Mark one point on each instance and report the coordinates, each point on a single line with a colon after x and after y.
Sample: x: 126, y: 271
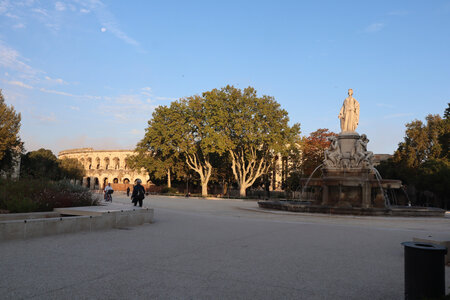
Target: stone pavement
x: 224, y: 249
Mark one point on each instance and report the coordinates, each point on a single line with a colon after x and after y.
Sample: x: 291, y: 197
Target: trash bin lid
x: 424, y: 246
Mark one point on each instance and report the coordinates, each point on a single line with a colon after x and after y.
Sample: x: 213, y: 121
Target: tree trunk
x: 204, y: 189
x: 169, y: 181
x: 224, y: 187
x: 242, y: 190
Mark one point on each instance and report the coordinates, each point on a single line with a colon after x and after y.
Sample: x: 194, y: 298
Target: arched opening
x: 88, y: 182
x: 135, y: 181
x: 83, y: 163
x: 149, y: 182
x: 96, y: 183
x: 116, y: 161
x: 126, y: 180
x: 97, y: 160
x: 115, y: 180
x: 89, y: 163
x: 106, y: 160
x: 105, y: 182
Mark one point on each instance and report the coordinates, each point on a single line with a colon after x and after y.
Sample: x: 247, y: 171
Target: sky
x: 89, y: 73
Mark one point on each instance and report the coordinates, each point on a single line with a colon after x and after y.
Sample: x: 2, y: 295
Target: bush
x: 41, y: 195
x: 169, y: 190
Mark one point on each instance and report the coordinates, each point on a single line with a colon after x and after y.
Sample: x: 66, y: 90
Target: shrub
x: 169, y: 190
x: 42, y: 195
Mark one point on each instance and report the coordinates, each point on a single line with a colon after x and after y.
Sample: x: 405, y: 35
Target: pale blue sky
x: 88, y: 73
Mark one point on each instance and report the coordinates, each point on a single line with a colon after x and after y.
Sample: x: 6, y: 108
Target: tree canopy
x: 253, y: 130
x: 201, y: 129
x: 422, y: 159
x: 313, y: 147
x: 43, y: 163
x: 10, y: 143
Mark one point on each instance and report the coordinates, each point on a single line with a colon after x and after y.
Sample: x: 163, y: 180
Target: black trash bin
x: 424, y: 270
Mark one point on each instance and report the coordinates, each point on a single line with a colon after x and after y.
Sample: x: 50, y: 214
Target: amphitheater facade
x: 106, y: 166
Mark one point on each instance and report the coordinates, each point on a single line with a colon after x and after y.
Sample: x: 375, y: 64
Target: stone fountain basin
x: 405, y: 211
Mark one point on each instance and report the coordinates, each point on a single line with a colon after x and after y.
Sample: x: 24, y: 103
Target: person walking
x: 128, y: 191
x: 138, y: 193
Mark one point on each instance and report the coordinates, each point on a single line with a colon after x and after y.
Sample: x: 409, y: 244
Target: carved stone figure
x: 349, y: 114
x: 333, y: 154
x: 358, y: 157
x: 368, y: 155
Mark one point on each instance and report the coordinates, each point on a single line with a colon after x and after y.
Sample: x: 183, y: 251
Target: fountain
x: 350, y: 184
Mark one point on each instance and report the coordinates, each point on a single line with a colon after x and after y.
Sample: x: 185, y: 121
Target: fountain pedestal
x: 348, y: 172
x: 347, y: 188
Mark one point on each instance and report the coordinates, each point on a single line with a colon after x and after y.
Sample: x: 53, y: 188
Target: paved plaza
x: 218, y: 249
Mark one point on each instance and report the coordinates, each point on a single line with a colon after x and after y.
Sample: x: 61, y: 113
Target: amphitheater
x: 106, y: 166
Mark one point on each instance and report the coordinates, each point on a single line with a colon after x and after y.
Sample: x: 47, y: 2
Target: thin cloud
x: 44, y: 90
x: 11, y: 59
x: 75, y: 108
x: 108, y: 21
x: 55, y: 80
x: 21, y: 84
x: 399, y: 115
x: 41, y: 11
x: 56, y: 92
x: 374, y: 27
x: 19, y: 26
x: 165, y: 98
x: 59, y: 6
x: 136, y: 132
x: 46, y: 119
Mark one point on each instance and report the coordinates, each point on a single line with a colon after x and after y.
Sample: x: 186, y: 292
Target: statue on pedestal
x: 349, y: 114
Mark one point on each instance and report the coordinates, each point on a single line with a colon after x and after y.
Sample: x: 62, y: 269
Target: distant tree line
x: 43, y: 164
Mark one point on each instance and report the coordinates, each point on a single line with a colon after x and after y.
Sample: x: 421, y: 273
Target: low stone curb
x: 26, y: 228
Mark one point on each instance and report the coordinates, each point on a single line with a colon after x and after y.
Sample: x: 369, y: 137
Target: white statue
x: 349, y: 114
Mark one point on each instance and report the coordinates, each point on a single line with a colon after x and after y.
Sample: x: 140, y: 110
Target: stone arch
x: 135, y: 181
x: 116, y: 180
x: 88, y: 182
x: 126, y: 180
x: 116, y: 163
x: 82, y: 162
x: 96, y: 183
x: 105, y: 181
x: 97, y: 163
x: 89, y: 163
x: 106, y: 161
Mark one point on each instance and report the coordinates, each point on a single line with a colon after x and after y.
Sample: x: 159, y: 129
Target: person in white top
x: 108, y: 191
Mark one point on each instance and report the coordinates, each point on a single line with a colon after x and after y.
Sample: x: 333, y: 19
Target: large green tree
x: 156, y: 151
x: 10, y: 143
x: 183, y: 130
x: 422, y: 159
x: 253, y: 130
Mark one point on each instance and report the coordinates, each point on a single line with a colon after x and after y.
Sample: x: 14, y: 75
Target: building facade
x: 106, y: 166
